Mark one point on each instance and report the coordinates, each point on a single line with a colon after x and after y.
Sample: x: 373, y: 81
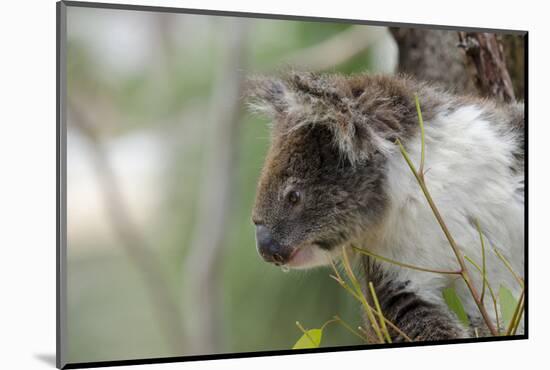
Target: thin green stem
x: 431, y: 203
x: 328, y: 322
x: 406, y: 265
x: 516, y: 317
x: 305, y: 333
x: 483, y: 264
x: 399, y: 331
x: 509, y: 267
x: 491, y: 291
x: 422, y: 136
x: 363, y: 331
x: 350, y: 329
x: 356, y: 293
x: 362, y: 298
x: 346, y: 287
x: 464, y: 271
x: 379, y: 310
x: 518, y: 320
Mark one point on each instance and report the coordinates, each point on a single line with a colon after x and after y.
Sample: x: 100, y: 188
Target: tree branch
x: 337, y: 49
x: 202, y: 267
x: 165, y: 307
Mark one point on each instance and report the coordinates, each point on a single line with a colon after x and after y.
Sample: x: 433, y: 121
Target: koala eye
x: 293, y: 197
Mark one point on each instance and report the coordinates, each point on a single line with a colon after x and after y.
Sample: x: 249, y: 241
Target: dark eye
x: 293, y: 197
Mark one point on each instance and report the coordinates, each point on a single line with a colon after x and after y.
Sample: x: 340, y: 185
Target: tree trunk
x: 486, y: 54
x: 514, y: 51
x: 484, y: 64
x: 433, y: 55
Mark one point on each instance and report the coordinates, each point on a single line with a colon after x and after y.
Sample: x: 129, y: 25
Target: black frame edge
x: 287, y: 17
x: 225, y: 356
x: 526, y: 179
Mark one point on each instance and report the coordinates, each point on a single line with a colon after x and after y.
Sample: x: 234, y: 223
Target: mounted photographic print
x: 235, y: 184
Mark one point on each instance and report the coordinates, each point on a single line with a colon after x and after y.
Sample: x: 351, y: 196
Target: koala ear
x: 353, y: 139
x: 358, y: 140
x: 269, y: 96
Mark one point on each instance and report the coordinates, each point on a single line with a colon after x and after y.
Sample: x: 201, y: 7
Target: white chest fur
x: 468, y: 161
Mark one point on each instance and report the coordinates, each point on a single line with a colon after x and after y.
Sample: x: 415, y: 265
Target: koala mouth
x: 314, y: 254
x: 301, y: 256
x: 310, y: 253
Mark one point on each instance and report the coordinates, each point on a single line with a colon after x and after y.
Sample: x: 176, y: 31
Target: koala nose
x: 269, y: 248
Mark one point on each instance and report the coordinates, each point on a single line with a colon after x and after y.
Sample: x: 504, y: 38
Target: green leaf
x: 310, y: 339
x: 454, y: 303
x: 508, y: 305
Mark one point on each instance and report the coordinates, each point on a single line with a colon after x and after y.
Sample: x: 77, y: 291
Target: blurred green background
x: 162, y: 166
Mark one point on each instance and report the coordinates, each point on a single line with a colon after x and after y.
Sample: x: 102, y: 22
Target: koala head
x: 322, y: 184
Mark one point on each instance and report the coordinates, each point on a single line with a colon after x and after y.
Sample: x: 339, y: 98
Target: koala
x: 334, y: 177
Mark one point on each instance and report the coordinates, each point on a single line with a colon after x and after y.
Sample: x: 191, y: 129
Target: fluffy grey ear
x: 318, y: 100
x: 354, y: 140
x: 269, y: 96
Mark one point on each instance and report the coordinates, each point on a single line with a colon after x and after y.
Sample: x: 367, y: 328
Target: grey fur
x: 330, y: 141
x: 418, y: 319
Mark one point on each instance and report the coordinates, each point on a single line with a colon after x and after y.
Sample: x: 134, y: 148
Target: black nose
x: 269, y: 248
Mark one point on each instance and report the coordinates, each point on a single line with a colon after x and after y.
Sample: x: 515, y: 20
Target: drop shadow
x: 47, y: 358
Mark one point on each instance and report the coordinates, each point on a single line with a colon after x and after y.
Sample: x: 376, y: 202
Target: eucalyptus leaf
x: 454, y: 303
x: 508, y: 305
x: 310, y: 339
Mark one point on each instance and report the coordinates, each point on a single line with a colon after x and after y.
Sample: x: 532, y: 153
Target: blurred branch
x: 165, y: 40
x: 202, y: 268
x: 485, y: 52
x: 166, y: 308
x: 337, y: 49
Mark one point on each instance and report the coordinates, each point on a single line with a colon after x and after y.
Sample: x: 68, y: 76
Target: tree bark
x: 485, y: 52
x: 514, y: 50
x: 484, y: 64
x: 433, y: 55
